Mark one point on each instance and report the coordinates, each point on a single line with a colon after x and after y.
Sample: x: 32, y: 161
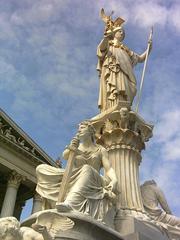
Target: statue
x: 87, y: 192
x: 76, y: 197
x: 10, y: 230
x: 42, y: 229
x: 8, y: 134
x: 152, y: 197
x: 1, y: 126
x: 115, y: 65
x: 22, y: 144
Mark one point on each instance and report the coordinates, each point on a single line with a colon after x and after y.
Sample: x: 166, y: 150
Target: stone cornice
x: 18, y: 149
x: 12, y: 135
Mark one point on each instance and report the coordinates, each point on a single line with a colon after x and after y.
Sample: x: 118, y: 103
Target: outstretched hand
x: 110, y: 33
x: 39, y: 228
x: 150, y: 45
x: 42, y: 230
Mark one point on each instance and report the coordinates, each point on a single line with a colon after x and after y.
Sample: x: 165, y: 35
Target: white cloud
x: 171, y: 150
x: 168, y: 126
x: 10, y: 79
x: 150, y: 13
x: 119, y: 8
x: 145, y: 13
x: 167, y: 135
x: 174, y: 16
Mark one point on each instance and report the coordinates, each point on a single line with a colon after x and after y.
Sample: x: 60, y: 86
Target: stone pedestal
x: 85, y: 227
x: 11, y: 193
x: 134, y: 229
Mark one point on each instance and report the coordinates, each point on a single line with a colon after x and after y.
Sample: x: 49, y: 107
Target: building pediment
x: 12, y: 135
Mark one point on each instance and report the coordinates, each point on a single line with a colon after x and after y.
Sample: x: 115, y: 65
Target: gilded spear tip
x: 150, y: 35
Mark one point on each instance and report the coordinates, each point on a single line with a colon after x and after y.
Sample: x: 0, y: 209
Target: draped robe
x: 87, y: 191
x: 117, y: 80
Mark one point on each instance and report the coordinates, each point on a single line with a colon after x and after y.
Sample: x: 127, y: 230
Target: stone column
x: 37, y: 203
x: 123, y: 133
x: 11, y: 193
x: 124, y: 146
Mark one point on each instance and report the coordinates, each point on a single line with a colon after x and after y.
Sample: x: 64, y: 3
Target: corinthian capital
x: 15, y: 179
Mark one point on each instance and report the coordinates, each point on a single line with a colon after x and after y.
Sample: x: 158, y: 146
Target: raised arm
x: 104, y: 44
x: 73, y: 145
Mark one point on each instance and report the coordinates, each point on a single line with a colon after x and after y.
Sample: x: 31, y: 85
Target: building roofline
x: 27, y: 137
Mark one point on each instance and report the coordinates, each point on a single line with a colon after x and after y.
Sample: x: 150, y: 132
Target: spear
x: 144, y: 69
x: 68, y: 172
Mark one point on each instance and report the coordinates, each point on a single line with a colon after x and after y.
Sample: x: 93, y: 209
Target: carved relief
x: 47, y: 226
x: 124, y: 118
x: 12, y: 135
x: 127, y: 120
x: 2, y: 126
x: 8, y: 134
x: 22, y: 143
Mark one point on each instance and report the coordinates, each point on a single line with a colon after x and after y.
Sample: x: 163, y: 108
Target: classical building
x: 19, y: 157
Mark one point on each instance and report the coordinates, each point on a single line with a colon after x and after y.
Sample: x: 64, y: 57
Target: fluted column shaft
x: 11, y: 193
x: 123, y: 133
x: 126, y: 161
x: 124, y: 148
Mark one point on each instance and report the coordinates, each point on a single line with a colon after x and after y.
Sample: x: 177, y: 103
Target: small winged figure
x: 111, y: 25
x: 50, y: 224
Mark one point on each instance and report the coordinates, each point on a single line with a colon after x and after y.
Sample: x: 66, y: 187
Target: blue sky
x: 49, y: 83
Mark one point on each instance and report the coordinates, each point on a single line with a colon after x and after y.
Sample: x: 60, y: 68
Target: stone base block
x: 133, y: 229
x: 137, y: 236
x: 86, y: 228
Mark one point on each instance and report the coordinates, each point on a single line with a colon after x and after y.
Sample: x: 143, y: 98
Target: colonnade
x: 9, y: 203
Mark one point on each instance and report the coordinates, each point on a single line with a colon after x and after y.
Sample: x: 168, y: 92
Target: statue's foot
x: 63, y: 207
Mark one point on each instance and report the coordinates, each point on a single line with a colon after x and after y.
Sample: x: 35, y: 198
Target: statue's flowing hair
x: 9, y: 226
x: 90, y: 128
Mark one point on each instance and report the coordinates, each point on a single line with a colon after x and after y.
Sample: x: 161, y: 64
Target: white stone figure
x: 38, y: 233
x: 156, y: 205
x: 51, y: 223
x: 10, y: 230
x: 115, y: 65
x: 8, y: 134
x: 88, y: 192
x: 22, y: 143
x: 124, y: 116
x: 1, y: 126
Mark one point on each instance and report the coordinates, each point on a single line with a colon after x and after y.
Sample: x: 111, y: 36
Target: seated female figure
x: 88, y: 192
